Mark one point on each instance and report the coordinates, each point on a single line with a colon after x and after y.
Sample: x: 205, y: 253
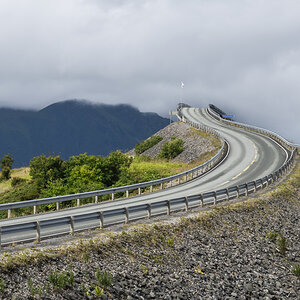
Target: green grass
x: 214, y: 140
x: 21, y: 173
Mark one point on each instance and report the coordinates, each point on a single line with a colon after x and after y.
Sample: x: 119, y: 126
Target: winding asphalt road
x: 251, y: 156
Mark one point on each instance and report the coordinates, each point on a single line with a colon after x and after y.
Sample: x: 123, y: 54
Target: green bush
x: 147, y: 144
x: 171, y: 149
x: 45, y: 169
x: 17, y: 181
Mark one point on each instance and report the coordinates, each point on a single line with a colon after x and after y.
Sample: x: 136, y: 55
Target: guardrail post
x: 101, y: 219
x: 38, y: 231
x: 246, y: 192
x: 161, y: 186
x: 139, y: 190
x: 272, y: 178
x: 127, y: 193
x: 71, y: 225
x: 186, y: 204
x: 57, y: 205
x: 0, y: 237
x: 168, y: 207
x: 34, y: 209
x: 185, y: 177
x: 112, y: 196
x: 96, y: 199
x: 78, y: 202
x: 171, y: 183
x: 238, y: 191
x: 126, y: 215
x: 149, y: 210
x: 215, y: 197
x: 201, y: 200
x: 227, y: 194
x: 151, y: 188
x: 255, y: 186
x: 9, y: 213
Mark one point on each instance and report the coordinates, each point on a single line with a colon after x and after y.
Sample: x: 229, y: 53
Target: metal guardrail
x: 180, y: 178
x: 267, y: 132
x: 37, y: 230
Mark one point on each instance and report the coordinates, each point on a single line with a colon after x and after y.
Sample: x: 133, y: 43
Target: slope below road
x: 231, y: 252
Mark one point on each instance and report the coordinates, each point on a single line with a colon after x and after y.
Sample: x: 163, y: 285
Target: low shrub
x: 171, y: 149
x: 17, y: 181
x: 147, y: 144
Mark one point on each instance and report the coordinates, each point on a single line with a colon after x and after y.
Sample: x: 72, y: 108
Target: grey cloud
x: 241, y: 55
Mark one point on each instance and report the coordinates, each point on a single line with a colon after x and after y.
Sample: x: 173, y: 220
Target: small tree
x: 6, y: 163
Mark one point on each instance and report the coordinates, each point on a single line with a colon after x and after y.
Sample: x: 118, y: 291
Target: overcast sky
x: 242, y: 55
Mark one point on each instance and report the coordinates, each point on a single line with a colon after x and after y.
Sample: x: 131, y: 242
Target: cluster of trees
x: 55, y: 176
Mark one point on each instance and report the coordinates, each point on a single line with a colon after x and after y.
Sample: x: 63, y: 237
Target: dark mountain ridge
x: 73, y: 127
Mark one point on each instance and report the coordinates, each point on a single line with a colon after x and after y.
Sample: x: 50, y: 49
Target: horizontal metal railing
x: 180, y: 178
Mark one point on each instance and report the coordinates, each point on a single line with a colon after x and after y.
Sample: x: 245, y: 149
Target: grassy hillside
x: 20, y: 173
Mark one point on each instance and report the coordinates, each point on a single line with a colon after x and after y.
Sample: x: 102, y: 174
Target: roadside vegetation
x: 53, y: 176
x: 147, y: 144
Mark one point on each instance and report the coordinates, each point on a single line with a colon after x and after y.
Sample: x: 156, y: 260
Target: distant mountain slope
x: 73, y: 127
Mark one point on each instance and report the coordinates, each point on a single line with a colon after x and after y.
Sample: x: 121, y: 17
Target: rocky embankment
x: 196, y: 143
x: 247, y: 250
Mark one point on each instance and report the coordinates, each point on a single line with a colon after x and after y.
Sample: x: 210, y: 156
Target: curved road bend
x: 251, y: 156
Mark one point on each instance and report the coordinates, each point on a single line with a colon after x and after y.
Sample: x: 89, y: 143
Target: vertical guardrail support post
x: 127, y: 193
x: 185, y: 177
x: 9, y: 213
x: 255, y: 186
x: 161, y: 186
x: 0, y: 237
x: 139, y: 190
x: 96, y: 199
x: 34, y: 209
x: 38, y: 231
x: 126, y: 215
x: 57, y: 205
x: 246, y: 192
x: 101, y: 219
x: 149, y: 210
x: 215, y: 197
x: 238, y: 191
x: 186, y: 203
x: 201, y: 200
x: 227, y: 194
x: 171, y: 183
x: 78, y: 202
x: 112, y: 196
x: 168, y: 207
x: 71, y: 225
x: 151, y: 188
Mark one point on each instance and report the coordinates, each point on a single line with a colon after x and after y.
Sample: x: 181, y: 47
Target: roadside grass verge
x: 20, y: 173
